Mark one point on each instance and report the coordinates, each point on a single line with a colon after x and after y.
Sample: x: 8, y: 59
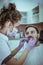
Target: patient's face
x: 31, y: 32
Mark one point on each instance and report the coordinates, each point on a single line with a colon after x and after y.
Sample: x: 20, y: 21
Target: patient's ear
x: 38, y: 41
x: 0, y: 27
x: 38, y: 35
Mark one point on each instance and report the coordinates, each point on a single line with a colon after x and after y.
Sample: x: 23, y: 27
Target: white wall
x: 41, y: 12
x: 4, y: 2
x: 26, y: 6
x: 30, y: 19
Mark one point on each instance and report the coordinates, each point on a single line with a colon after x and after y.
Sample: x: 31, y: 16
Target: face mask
x: 13, y: 33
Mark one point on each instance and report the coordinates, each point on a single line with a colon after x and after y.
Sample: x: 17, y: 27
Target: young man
x: 7, y: 21
x: 35, y: 57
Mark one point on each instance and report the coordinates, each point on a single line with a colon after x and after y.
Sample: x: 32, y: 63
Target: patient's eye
x: 32, y: 32
x: 27, y: 33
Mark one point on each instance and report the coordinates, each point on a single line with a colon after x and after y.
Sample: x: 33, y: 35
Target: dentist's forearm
x: 14, y: 52
x: 23, y: 57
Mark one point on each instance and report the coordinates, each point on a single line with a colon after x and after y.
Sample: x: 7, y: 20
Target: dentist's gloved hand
x: 21, y: 44
x: 31, y: 43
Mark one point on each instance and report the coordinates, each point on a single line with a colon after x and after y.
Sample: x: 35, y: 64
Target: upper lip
x: 30, y: 37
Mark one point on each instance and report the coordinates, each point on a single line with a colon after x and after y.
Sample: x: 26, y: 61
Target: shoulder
x: 4, y: 50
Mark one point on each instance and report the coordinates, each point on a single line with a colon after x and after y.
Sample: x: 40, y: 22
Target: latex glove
x: 31, y: 43
x: 13, y: 33
x: 21, y: 44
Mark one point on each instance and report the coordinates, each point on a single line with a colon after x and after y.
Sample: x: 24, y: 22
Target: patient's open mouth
x: 29, y: 38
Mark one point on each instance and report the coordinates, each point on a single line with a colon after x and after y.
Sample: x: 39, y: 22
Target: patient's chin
x: 37, y: 44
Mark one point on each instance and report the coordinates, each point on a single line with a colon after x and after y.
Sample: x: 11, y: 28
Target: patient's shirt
x: 35, y: 56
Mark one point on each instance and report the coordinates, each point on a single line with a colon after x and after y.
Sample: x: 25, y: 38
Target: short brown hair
x: 33, y: 27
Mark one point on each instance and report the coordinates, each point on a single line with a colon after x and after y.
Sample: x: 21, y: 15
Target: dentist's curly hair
x: 9, y: 13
